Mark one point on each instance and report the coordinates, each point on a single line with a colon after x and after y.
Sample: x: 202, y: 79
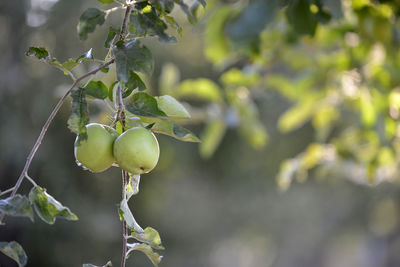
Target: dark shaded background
x: 223, y: 212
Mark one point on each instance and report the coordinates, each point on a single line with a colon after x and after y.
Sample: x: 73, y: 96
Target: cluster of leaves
x: 45, y: 206
x: 160, y: 114
x: 336, y: 61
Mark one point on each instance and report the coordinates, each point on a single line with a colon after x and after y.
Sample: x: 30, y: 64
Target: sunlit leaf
x: 286, y: 173
x: 254, y: 132
x: 132, y: 187
x: 16, y: 206
x: 150, y: 236
x: 145, y: 105
x: 174, y: 130
x: 296, y: 116
x: 147, y: 250
x: 70, y: 64
x: 89, y: 20
x: 312, y: 156
x: 48, y: 208
x: 169, y: 78
x: 368, y: 113
x: 203, y: 89
x: 172, y: 107
x: 239, y: 78
x: 86, y: 56
x: 218, y: 48
x: 15, y: 252
x: 126, y: 215
x: 132, y: 56
x: 212, y: 137
x: 106, y: 2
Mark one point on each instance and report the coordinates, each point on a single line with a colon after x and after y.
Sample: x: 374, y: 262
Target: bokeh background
x: 225, y: 211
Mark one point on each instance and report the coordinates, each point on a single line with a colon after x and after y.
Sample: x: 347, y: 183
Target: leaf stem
x: 39, y: 140
x: 30, y: 180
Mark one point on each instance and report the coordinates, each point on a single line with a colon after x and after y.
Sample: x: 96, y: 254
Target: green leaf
x: 16, y: 206
x: 49, y: 208
x: 252, y: 20
x: 172, y: 107
x: 287, y: 172
x: 126, y: 215
x: 132, y: 56
x: 147, y: 250
x: 150, y: 236
x: 169, y: 78
x: 202, y: 2
x: 112, y: 32
x: 185, y: 8
x: 174, y: 130
x: 15, y: 252
x: 298, y: 115
x: 108, y: 264
x: 38, y: 52
x: 145, y: 105
x: 217, y: 46
x: 300, y: 17
x: 97, y: 89
x: 212, y: 137
x: 85, y: 57
x: 132, y: 188
x: 163, y: 6
x: 236, y: 77
x: 149, y: 24
x: 254, y: 132
x: 79, y: 116
x: 70, y: 64
x: 111, y: 90
x: 106, y: 2
x: 134, y: 82
x: 203, y: 89
x: 89, y: 20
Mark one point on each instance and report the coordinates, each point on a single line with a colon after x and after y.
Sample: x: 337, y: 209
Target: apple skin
x: 96, y: 152
x: 137, y: 150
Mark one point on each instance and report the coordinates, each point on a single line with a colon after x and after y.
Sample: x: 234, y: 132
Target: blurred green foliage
x: 316, y: 96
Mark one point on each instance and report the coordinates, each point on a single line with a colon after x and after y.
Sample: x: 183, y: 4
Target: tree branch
x: 124, y: 23
x: 121, y: 119
x: 124, y: 228
x: 39, y: 140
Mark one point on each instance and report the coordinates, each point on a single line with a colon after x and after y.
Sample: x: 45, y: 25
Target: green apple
x: 137, y: 150
x: 96, y: 152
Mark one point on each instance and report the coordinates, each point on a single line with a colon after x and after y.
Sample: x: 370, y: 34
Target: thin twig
x: 124, y: 23
x: 124, y: 228
x: 121, y: 118
x: 2, y: 193
x: 46, y: 126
